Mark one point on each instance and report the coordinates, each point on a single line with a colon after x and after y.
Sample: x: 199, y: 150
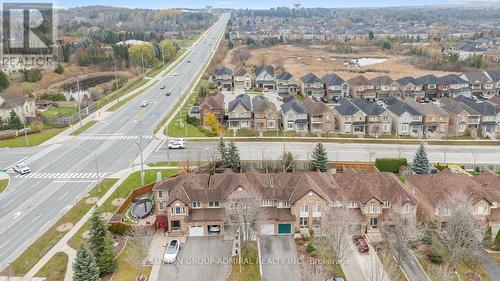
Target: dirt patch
x: 118, y: 201
x: 64, y: 227
x: 322, y: 59
x: 106, y: 216
x: 91, y: 200
x: 86, y: 234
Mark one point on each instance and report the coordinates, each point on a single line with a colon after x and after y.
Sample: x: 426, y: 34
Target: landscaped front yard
x: 249, y: 269
x: 127, y: 271
x: 59, y: 112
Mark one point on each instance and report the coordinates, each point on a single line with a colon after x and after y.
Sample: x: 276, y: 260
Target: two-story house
x: 239, y: 113
x: 285, y: 83
x: 360, y: 87
x: 378, y: 118
x: 264, y: 77
x: 464, y: 121
x: 223, y: 78
x: 22, y: 105
x: 311, y: 85
x: 321, y: 117
x: 495, y: 77
x: 335, y: 87
x: 350, y: 119
x: 265, y: 114
x: 429, y: 85
x: 480, y: 82
x: 406, y: 121
x: 490, y: 116
x: 386, y: 87
x: 294, y: 116
x: 435, y: 119
x: 410, y: 88
x: 242, y: 79
x: 214, y: 104
x: 453, y: 85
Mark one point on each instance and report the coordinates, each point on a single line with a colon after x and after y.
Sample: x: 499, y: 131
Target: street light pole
x: 79, y: 101
x: 139, y: 143
x: 25, y: 132
x: 96, y: 166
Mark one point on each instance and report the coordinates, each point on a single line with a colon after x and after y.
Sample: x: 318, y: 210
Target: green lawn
x: 127, y: 271
x: 249, y: 268
x: 461, y: 268
x: 34, y: 139
x: 3, y: 184
x: 59, y: 112
x: 45, y: 242
x: 164, y: 164
x: 83, y: 128
x: 126, y: 187
x: 55, y: 268
x: 179, y: 128
x: 129, y: 98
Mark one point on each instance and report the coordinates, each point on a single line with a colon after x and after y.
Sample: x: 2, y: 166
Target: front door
x: 374, y: 222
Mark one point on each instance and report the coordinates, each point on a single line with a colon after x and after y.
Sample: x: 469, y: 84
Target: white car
x: 144, y: 103
x: 175, y: 74
x: 21, y: 168
x: 177, y: 144
x: 171, y: 251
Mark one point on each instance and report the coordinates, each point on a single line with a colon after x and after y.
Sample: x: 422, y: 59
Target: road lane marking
x: 60, y: 175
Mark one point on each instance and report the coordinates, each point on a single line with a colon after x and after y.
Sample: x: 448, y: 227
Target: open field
x: 321, y: 59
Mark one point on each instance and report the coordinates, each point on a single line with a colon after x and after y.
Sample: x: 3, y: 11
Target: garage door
x: 284, y: 228
x: 267, y: 229
x: 196, y: 231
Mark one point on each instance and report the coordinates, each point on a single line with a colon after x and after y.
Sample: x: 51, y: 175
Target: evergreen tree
x: 4, y: 80
x: 497, y: 241
x: 84, y: 266
x: 222, y: 152
x: 59, y: 69
x: 371, y: 36
x: 319, y: 158
x: 100, y: 244
x: 420, y: 163
x: 233, y: 156
x: 14, y: 121
x: 487, y: 238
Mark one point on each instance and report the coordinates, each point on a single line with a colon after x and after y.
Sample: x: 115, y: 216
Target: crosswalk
x: 61, y: 176
x: 112, y: 137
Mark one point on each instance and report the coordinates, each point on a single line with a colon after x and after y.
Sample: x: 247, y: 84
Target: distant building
x: 23, y: 106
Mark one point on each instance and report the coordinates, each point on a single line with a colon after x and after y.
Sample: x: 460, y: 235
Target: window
x: 283, y: 204
x: 317, y: 221
x: 270, y: 123
x: 176, y: 225
x: 372, y: 208
x: 317, y: 207
x: 160, y: 194
x: 161, y: 206
x: 290, y: 125
x: 304, y: 208
x: 386, y: 204
x: 405, y: 208
x: 196, y: 205
x: 179, y: 210
x: 352, y: 204
x: 213, y: 204
x: 337, y: 203
x: 303, y: 222
x: 267, y: 203
x: 347, y: 127
x: 404, y: 128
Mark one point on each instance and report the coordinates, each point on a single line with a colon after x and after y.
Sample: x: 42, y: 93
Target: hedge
x: 390, y: 164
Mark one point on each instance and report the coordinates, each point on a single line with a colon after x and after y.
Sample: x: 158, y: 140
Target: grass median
x: 33, y: 139
x: 3, y: 184
x: 55, y: 268
x: 44, y: 243
x: 83, y: 128
x: 129, y: 98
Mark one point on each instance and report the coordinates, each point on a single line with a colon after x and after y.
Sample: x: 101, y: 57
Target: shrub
x: 53, y: 97
x: 390, y: 164
x: 59, y: 69
x: 497, y: 241
x: 4, y: 80
x: 208, y: 133
x: 32, y: 75
x: 435, y: 258
x: 36, y: 126
x: 192, y: 121
x: 310, y: 249
x: 487, y: 238
x: 118, y: 228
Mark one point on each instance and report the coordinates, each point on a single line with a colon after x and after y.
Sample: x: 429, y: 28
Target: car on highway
x: 177, y: 144
x: 188, y: 61
x: 171, y: 251
x: 168, y: 94
x: 335, y: 279
x: 144, y: 103
x: 175, y: 74
x: 162, y: 87
x: 21, y: 168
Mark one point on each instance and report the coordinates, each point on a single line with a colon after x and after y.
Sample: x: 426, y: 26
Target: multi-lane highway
x: 64, y: 172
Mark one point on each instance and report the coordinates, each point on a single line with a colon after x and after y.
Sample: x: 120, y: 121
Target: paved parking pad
x: 200, y: 258
x: 279, y: 259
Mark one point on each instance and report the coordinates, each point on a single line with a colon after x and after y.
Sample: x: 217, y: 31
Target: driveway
x: 200, y: 258
x: 278, y: 256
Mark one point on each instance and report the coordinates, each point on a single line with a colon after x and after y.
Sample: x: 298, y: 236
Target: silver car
x: 21, y: 168
x: 171, y: 252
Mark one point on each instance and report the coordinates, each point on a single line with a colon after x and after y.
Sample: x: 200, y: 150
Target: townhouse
x: 360, y: 87
x: 311, y: 85
x: 214, y: 104
x: 321, y: 117
x: 294, y: 116
x: 435, y: 119
x: 239, y: 113
x: 264, y: 77
x: 200, y: 204
x: 429, y: 85
x: 490, y: 116
x: 410, y: 88
x: 464, y: 121
x: 378, y: 118
x: 335, y: 87
x: 386, y: 87
x: 350, y: 119
x: 223, y: 78
x: 480, y: 83
x: 285, y: 83
x: 242, y: 79
x: 406, y: 120
x: 265, y: 114
x: 452, y: 85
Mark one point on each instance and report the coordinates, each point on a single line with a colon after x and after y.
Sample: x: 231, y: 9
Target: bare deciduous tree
x: 139, y: 239
x: 311, y: 271
x: 383, y: 268
x: 241, y: 55
x: 441, y: 273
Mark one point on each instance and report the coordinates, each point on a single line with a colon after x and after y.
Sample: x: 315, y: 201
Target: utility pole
x: 163, y: 54
x: 25, y: 132
x: 142, y: 61
x: 139, y: 143
x: 79, y: 101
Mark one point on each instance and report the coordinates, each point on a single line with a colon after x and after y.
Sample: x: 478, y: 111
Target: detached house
x: 350, y: 119
x: 406, y: 120
x: 213, y: 104
x: 429, y: 85
x: 452, y: 85
x: 410, y: 88
x: 321, y: 117
x: 239, y: 113
x: 223, y: 78
x: 386, y: 87
x: 311, y: 85
x: 285, y: 83
x: 242, y: 79
x: 463, y: 119
x: 490, y: 116
x: 294, y: 116
x: 378, y: 119
x: 360, y: 87
x: 495, y: 77
x: 264, y: 77
x: 335, y: 87
x: 435, y: 119
x: 23, y: 106
x: 480, y: 82
x: 265, y: 114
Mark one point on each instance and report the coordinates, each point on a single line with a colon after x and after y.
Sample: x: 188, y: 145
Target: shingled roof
x: 369, y: 108
x: 398, y: 107
x: 382, y: 80
x: 483, y: 107
x: 11, y: 100
x: 345, y: 107
x: 223, y: 71
x: 261, y: 104
x: 294, y: 105
x: 268, y: 68
x: 314, y: 107
x: 332, y: 79
x: 243, y: 100
x: 285, y: 75
x: 214, y: 101
x: 456, y: 107
x: 310, y: 78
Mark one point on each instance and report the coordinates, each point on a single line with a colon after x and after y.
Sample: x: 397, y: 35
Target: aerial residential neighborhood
x: 241, y: 141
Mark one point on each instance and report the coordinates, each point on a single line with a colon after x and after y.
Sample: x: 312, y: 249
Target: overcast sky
x: 253, y: 4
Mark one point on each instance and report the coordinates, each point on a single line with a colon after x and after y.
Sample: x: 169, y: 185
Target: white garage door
x: 267, y: 229
x: 196, y: 231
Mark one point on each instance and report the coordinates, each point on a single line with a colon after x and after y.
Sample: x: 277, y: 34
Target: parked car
x: 144, y: 103
x: 318, y: 99
x: 335, y: 279
x: 177, y: 144
x: 171, y: 251
x: 21, y: 168
x: 361, y: 243
x: 168, y: 94
x: 162, y: 87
